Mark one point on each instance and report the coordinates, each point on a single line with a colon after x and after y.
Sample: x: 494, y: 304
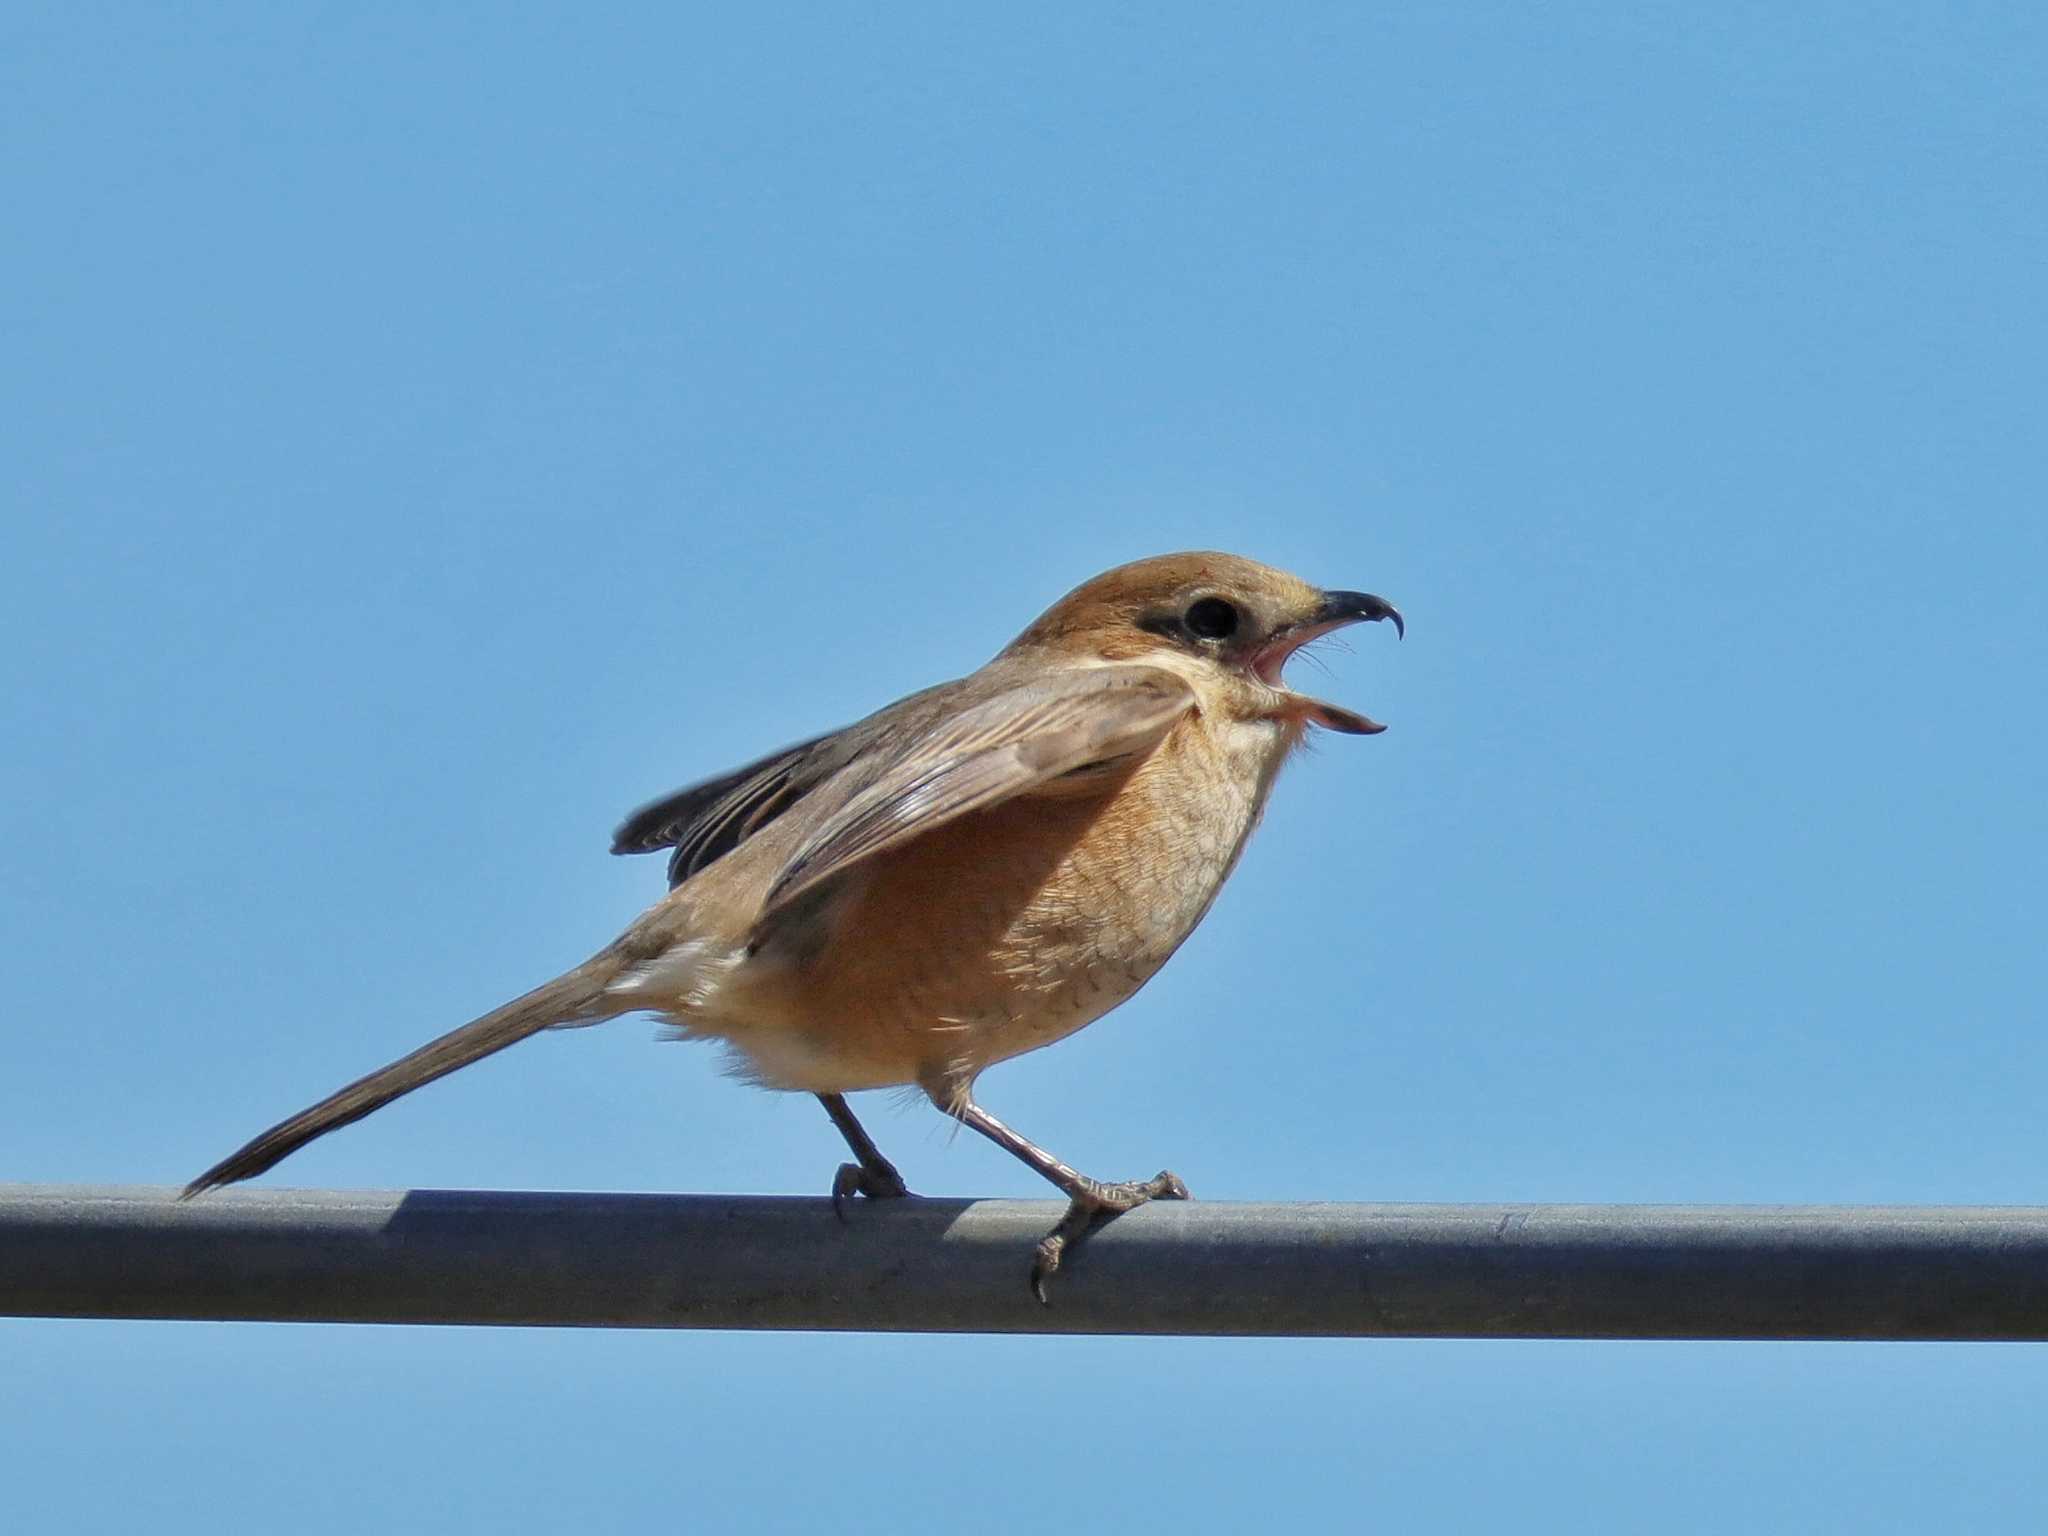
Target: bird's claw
x: 876, y: 1183
x: 1091, y: 1205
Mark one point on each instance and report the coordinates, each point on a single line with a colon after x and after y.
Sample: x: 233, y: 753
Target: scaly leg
x: 1090, y: 1200
x: 873, y: 1175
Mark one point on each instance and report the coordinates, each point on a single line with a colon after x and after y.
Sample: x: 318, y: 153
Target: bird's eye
x: 1212, y: 618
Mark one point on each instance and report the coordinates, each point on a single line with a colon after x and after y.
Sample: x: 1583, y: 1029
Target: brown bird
x: 974, y: 872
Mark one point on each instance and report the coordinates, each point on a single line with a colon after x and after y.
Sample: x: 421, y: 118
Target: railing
x: 703, y: 1261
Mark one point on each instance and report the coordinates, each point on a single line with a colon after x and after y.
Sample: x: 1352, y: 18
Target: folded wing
x: 706, y: 821
x: 978, y: 757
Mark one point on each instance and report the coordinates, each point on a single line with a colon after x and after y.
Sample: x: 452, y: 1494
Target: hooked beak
x: 1354, y: 607
x: 1335, y: 611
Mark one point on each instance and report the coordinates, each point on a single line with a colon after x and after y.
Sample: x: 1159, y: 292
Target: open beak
x: 1336, y: 610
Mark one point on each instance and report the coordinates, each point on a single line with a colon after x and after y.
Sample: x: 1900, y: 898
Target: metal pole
x: 927, y: 1265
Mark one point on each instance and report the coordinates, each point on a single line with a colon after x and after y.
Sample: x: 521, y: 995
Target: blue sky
x: 433, y: 431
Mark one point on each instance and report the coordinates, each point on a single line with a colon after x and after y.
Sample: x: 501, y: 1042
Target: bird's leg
x: 1089, y: 1200
x: 873, y: 1175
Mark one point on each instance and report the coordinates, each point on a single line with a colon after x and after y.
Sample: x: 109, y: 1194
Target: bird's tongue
x: 1270, y: 664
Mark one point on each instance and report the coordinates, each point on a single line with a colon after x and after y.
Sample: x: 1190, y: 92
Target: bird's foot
x: 877, y: 1180
x: 1091, y: 1205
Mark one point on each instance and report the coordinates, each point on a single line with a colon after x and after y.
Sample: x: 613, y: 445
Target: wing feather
x: 1003, y: 747
x: 706, y: 821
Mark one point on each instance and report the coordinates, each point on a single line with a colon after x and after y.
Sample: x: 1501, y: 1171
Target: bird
x: 973, y: 872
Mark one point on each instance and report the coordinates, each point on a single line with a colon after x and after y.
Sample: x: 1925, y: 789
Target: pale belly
x: 994, y: 935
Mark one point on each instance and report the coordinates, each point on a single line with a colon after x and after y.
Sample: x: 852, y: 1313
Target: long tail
x: 575, y: 997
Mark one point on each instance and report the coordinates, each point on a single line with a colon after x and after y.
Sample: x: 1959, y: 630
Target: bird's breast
x: 1007, y: 929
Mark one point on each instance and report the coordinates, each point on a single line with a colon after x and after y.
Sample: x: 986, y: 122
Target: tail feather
x: 575, y: 997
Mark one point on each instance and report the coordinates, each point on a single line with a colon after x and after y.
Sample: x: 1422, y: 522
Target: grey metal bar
x: 705, y: 1261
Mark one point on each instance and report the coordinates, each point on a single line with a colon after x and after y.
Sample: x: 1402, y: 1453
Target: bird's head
x: 1225, y: 623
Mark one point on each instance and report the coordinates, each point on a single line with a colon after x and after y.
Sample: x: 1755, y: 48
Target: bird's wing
x: 1006, y: 746
x: 709, y: 820
x: 706, y: 821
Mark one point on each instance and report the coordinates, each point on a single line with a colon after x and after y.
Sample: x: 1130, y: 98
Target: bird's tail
x: 575, y: 997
